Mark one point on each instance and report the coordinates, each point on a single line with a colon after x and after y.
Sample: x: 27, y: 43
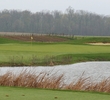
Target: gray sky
x: 95, y: 6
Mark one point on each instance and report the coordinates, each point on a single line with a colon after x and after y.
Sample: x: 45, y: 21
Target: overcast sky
x: 95, y: 6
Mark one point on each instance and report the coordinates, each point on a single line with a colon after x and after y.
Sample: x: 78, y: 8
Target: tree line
x: 70, y: 22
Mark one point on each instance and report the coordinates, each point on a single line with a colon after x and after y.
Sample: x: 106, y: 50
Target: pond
x: 95, y: 70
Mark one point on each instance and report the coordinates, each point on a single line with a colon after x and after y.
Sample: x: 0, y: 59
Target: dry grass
x: 52, y: 81
x: 30, y: 79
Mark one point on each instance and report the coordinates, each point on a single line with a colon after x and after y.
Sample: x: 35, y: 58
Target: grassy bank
x: 16, y: 52
x: 42, y: 54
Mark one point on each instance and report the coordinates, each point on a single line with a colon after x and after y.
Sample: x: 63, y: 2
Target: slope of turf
x: 27, y: 50
x: 6, y: 40
x: 24, y: 52
x: 14, y: 93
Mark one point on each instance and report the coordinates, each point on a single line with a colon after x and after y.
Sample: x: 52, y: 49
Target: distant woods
x: 70, y: 22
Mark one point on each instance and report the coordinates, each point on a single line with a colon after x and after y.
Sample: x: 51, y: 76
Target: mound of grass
x: 4, y: 40
x: 74, y: 58
x: 14, y: 52
x: 60, y: 53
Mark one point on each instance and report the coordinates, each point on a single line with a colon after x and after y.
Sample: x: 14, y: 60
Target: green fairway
x: 14, y: 93
x: 54, y: 49
x: 17, y: 50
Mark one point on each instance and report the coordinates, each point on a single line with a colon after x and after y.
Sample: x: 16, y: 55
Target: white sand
x: 99, y: 43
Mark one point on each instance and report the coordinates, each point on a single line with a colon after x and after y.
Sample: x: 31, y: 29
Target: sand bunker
x: 99, y: 43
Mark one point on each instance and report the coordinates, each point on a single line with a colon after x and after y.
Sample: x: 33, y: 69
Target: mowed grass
x: 26, y: 50
x: 16, y: 93
x: 55, y: 48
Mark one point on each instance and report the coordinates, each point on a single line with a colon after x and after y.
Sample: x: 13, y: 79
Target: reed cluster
x: 34, y: 60
x: 52, y: 81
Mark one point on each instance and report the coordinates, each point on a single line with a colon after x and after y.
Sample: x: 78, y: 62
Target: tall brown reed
x: 52, y: 81
x: 30, y: 79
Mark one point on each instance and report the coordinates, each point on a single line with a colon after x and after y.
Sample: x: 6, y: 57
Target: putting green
x: 12, y: 93
x: 55, y: 48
